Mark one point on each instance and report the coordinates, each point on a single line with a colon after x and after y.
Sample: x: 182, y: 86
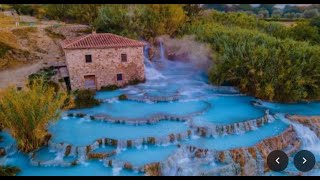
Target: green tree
x: 289, y: 15
x: 218, y: 7
x: 245, y: 7
x: 291, y: 9
x: 310, y: 13
x: 84, y: 13
x: 58, y: 11
x: 26, y: 113
x: 192, y: 10
x: 276, y: 14
x: 315, y: 22
x: 9, y: 170
x: 141, y: 21
x: 268, y: 7
x: 304, y: 32
x: 263, y: 14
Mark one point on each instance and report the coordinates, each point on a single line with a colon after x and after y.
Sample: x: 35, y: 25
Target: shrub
x: 4, y: 49
x: 53, y: 34
x: 26, y: 113
x: 123, y: 97
x: 85, y: 99
x: 9, y: 170
x: 136, y: 81
x: 2, y: 150
x: 109, y: 88
x: 80, y: 115
x: 261, y: 65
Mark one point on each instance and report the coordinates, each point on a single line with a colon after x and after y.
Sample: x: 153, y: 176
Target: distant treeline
x: 269, y: 10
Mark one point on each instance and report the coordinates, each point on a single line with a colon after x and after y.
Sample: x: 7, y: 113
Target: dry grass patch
x: 8, y: 38
x: 7, y: 21
x: 24, y: 32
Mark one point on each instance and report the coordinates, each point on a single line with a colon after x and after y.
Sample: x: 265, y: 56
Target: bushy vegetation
x: 26, y: 113
x: 38, y: 10
x: 9, y: 170
x: 4, y: 49
x: 53, y: 34
x: 269, y: 10
x: 123, y: 97
x: 141, y: 21
x: 267, y: 67
x: 85, y: 99
x: 109, y: 88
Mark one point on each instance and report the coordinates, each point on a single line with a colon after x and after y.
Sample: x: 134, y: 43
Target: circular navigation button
x: 277, y: 160
x: 304, y: 160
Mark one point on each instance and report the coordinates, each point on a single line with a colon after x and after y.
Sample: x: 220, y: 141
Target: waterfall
x: 162, y: 52
x: 151, y: 72
x: 310, y: 140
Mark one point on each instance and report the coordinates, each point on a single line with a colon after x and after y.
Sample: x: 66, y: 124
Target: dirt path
x: 18, y: 76
x: 50, y: 52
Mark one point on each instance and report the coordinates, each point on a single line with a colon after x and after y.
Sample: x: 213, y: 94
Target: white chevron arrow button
x: 304, y: 160
x: 277, y: 160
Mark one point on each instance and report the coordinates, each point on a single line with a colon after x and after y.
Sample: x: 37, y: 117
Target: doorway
x: 90, y: 82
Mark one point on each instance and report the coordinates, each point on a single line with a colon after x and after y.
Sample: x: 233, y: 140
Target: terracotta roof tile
x: 99, y: 40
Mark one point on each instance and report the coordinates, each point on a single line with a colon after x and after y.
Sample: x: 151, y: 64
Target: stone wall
x: 106, y: 64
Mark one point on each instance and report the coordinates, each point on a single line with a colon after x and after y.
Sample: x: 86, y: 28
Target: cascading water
x: 151, y: 72
x: 162, y: 51
x: 310, y: 140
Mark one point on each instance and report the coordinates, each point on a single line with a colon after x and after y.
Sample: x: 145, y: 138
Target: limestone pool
x: 167, y: 122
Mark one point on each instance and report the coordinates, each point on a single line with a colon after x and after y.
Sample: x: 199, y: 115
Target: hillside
x: 26, y: 49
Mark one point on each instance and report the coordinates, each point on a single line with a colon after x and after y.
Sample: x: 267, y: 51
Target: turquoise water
x: 229, y: 109
x: 163, y: 79
x: 104, y: 149
x: 303, y: 108
x: 7, y: 139
x: 90, y: 168
x: 134, y: 109
x: 81, y: 132
x: 145, y: 154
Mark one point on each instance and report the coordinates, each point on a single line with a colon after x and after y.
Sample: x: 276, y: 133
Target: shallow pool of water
x: 228, y: 110
x: 134, y: 109
x: 81, y: 132
x: 145, y: 154
x: 90, y: 168
x: 312, y: 108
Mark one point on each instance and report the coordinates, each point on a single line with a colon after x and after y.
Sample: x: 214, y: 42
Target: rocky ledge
x: 136, y: 121
x: 235, y: 128
x: 250, y: 160
x: 87, y: 151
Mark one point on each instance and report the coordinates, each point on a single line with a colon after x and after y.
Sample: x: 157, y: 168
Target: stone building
x: 103, y: 59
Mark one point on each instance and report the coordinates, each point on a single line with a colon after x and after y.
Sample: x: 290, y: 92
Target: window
x: 119, y: 77
x: 123, y: 57
x: 88, y: 58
